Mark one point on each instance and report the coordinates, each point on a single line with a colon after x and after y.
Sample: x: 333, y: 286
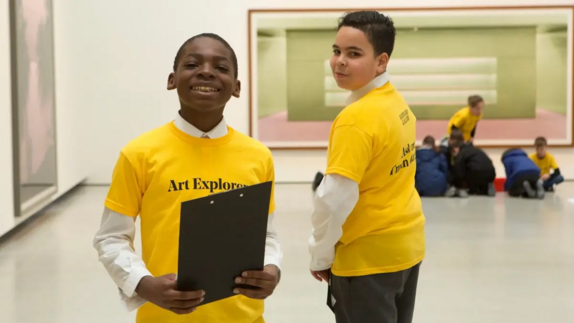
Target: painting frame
x: 254, y: 14
x: 33, y: 189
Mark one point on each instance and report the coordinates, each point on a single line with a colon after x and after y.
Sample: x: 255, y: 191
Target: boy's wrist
x: 135, y: 277
x: 142, y: 286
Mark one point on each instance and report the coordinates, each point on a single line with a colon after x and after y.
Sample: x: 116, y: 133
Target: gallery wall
x: 118, y: 55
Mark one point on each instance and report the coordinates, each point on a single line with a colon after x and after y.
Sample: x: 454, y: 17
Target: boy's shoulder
x: 251, y: 143
x: 148, y: 140
x: 372, y: 103
x: 549, y: 155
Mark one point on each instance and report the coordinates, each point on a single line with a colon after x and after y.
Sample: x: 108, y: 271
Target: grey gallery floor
x: 489, y: 260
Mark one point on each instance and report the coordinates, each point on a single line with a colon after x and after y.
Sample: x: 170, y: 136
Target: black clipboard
x: 221, y: 236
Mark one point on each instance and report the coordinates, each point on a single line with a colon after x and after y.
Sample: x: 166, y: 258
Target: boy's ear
x: 383, y: 61
x: 237, y: 89
x: 171, y: 82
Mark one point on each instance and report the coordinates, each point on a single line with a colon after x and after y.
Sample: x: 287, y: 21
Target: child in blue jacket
x: 522, y: 175
x: 432, y: 169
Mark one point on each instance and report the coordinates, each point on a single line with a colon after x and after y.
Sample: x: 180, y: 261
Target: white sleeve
x: 114, y: 243
x: 273, y: 253
x: 335, y: 198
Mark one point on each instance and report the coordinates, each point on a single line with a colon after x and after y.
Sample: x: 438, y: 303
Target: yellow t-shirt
x: 465, y: 121
x: 164, y: 167
x: 372, y: 142
x: 545, y: 164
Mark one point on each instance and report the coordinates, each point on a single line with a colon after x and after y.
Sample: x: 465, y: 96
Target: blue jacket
x: 432, y: 170
x: 517, y: 164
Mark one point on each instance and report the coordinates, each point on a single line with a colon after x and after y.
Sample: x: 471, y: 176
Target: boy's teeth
x: 204, y: 89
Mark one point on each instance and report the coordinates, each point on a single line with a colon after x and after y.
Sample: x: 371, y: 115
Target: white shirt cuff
x: 271, y: 260
x: 134, y: 279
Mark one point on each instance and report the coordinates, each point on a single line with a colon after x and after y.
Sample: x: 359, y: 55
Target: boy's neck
x: 377, y: 82
x: 205, y: 121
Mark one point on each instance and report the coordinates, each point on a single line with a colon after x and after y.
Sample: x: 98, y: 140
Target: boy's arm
x: 334, y: 200
x: 350, y: 153
x: 114, y: 243
x: 556, y: 171
x: 273, y: 253
x: 458, y: 167
x: 443, y: 165
x: 508, y: 169
x: 473, y: 132
x: 554, y: 166
x: 457, y: 122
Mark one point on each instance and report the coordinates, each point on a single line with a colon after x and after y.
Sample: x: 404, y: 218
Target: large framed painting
x: 33, y: 100
x: 518, y: 59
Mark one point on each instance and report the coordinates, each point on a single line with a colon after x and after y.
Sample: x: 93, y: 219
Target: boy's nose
x: 206, y: 72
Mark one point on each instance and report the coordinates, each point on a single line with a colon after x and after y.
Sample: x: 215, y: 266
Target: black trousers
x: 478, y: 181
x: 517, y: 188
x: 382, y: 298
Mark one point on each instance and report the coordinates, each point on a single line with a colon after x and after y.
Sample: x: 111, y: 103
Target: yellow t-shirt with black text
x: 164, y: 167
x: 464, y: 121
x: 545, y: 164
x: 372, y: 142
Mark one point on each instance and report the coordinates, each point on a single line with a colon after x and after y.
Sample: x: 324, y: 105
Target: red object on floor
x: 499, y: 184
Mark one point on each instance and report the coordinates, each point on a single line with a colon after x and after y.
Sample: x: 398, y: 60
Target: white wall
x: 120, y: 53
x: 70, y: 111
x: 6, y: 179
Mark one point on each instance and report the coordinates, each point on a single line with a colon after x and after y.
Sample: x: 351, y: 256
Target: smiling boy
x: 368, y: 225
x: 195, y: 155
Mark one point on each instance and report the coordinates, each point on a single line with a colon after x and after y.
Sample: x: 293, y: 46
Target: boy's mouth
x: 204, y: 89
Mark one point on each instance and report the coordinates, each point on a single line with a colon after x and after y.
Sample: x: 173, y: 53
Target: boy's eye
x: 223, y: 68
x: 191, y: 65
x: 354, y: 54
x: 336, y: 52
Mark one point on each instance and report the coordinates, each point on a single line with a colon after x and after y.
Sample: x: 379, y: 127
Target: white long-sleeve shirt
x: 335, y: 199
x: 114, y: 240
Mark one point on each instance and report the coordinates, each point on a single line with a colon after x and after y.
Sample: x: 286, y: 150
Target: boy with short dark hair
x: 432, y: 169
x: 368, y: 236
x: 472, y: 169
x: 547, y: 164
x: 522, y: 175
x: 159, y: 170
x: 466, y: 119
x: 446, y: 149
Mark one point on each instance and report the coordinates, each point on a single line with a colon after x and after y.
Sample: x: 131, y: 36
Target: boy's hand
x: 321, y: 275
x: 545, y: 177
x: 265, y: 281
x: 162, y: 292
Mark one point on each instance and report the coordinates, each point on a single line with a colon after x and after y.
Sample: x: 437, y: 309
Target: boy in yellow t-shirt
x: 368, y: 236
x: 466, y: 119
x: 547, y: 164
x: 195, y: 155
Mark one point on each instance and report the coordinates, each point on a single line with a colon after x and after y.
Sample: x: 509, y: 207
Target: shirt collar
x: 377, y: 82
x: 219, y: 131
